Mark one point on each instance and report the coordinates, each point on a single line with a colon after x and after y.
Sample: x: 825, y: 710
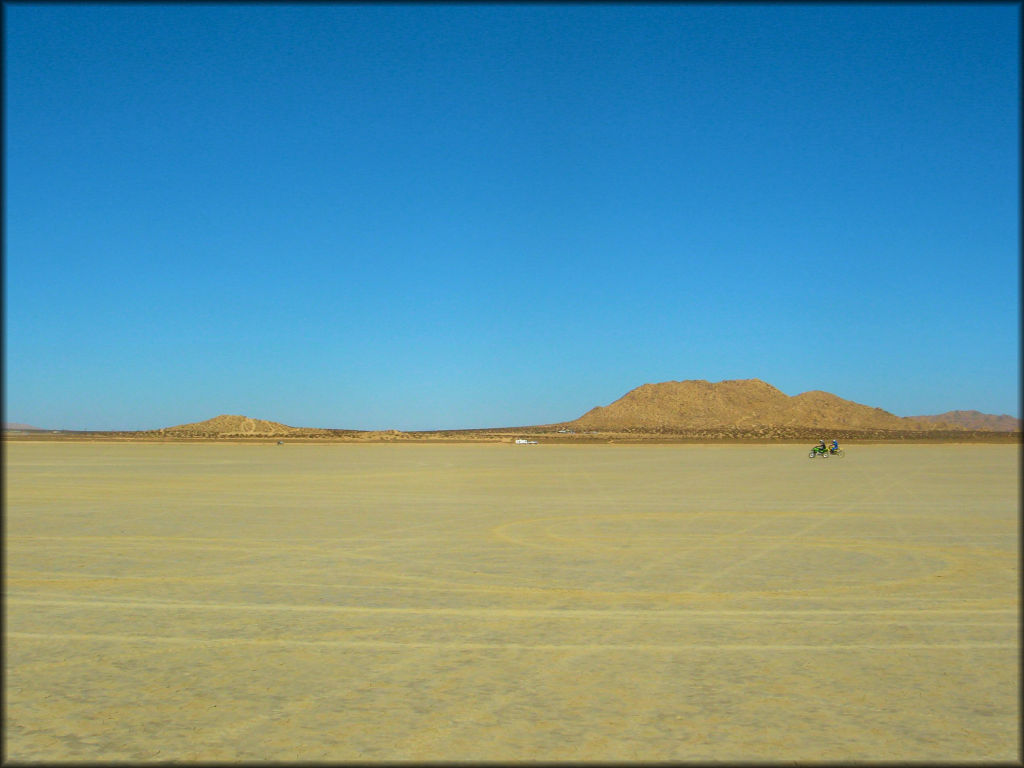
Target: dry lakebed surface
x: 479, y: 602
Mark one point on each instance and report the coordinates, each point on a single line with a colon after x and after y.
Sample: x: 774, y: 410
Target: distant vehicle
x: 524, y: 441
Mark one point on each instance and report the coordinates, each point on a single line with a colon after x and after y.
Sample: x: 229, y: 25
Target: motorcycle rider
x: 821, y: 447
x: 835, y: 445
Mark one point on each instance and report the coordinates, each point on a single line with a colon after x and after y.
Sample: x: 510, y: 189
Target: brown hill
x: 977, y: 420
x: 237, y: 426
x: 739, y: 403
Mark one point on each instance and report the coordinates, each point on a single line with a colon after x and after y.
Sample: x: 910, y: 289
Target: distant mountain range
x: 742, y: 404
x: 17, y: 427
x: 752, y: 403
x: 977, y: 420
x: 745, y: 405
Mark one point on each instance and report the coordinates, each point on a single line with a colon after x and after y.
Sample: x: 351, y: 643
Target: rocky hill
x: 238, y: 426
x: 977, y: 420
x: 18, y: 427
x: 746, y: 404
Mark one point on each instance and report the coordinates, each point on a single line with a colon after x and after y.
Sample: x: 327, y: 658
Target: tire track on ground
x: 461, y: 646
x: 824, y: 518
x: 568, y: 613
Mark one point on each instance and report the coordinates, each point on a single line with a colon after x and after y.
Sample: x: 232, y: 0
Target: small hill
x: 18, y: 427
x: 976, y: 420
x: 238, y: 426
x: 742, y: 404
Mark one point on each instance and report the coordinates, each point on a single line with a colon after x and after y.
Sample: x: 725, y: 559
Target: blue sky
x: 426, y: 216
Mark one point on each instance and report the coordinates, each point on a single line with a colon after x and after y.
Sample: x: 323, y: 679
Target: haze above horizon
x: 455, y: 216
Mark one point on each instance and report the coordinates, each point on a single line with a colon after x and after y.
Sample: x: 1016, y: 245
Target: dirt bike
x: 819, y: 451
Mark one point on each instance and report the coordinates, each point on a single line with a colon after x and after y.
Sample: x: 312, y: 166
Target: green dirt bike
x: 825, y: 453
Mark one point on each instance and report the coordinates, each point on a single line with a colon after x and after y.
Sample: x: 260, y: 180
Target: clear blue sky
x: 426, y: 216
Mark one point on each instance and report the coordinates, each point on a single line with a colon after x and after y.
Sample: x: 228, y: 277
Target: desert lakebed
x: 224, y: 602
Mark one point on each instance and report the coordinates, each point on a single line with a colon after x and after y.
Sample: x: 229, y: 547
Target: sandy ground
x: 501, y: 602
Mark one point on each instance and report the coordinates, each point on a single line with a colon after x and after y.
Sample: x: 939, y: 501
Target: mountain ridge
x: 19, y: 427
x: 747, y: 406
x: 978, y: 420
x: 754, y: 404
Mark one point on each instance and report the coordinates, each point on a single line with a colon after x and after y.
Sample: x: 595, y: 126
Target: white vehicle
x: 524, y: 441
